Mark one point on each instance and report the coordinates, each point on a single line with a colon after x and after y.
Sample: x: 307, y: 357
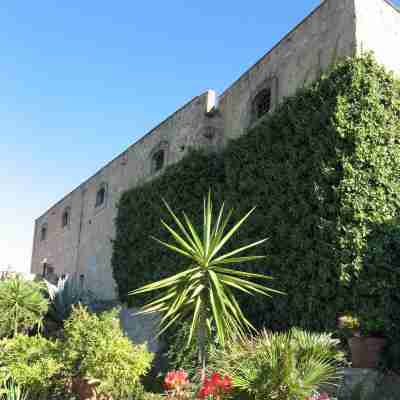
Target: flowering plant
x: 367, y: 325
x: 176, y: 383
x: 319, y: 396
x: 215, y: 387
x: 349, y: 321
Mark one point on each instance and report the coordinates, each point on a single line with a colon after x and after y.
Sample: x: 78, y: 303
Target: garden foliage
x: 95, y: 348
x: 284, y: 366
x: 32, y: 363
x: 69, y: 292
x: 206, y: 289
x: 324, y: 172
x: 22, y: 306
x: 11, y: 391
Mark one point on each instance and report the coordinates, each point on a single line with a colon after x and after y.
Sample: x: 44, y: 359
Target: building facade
x: 75, y: 235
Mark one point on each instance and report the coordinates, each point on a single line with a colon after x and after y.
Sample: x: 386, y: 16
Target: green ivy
x: 137, y: 259
x: 324, y: 172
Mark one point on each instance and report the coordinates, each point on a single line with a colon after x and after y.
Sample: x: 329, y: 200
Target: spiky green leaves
x: 285, y: 366
x: 22, y: 306
x: 205, y: 290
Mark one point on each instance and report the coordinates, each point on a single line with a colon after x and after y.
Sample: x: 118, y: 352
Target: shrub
x: 22, y: 306
x: 284, y: 366
x: 95, y: 348
x: 31, y: 363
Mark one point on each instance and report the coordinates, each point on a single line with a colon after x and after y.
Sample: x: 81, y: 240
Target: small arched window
x: 43, y: 232
x: 66, y: 217
x: 158, y: 160
x: 101, y: 196
x: 262, y: 103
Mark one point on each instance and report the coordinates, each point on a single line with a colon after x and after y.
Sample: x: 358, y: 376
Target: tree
x: 205, y: 289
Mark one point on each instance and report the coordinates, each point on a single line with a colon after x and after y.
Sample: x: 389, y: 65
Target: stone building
x: 74, y: 236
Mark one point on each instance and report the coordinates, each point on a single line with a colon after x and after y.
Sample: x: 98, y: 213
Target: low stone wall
x: 140, y: 328
x: 368, y: 384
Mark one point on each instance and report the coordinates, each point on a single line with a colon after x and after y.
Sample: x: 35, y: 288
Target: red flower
x: 206, y: 390
x: 175, y: 380
x: 226, y: 384
x: 216, y: 380
x: 215, y: 386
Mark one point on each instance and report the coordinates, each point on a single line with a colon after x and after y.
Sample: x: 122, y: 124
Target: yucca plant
x: 22, y: 306
x: 205, y: 289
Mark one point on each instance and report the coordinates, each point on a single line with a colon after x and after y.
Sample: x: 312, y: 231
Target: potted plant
x: 366, y: 340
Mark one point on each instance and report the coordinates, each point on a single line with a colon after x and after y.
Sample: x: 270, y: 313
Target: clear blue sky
x: 81, y: 80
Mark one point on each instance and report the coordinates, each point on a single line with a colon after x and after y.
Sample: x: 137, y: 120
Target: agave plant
x: 205, y: 289
x: 68, y: 292
x: 22, y: 306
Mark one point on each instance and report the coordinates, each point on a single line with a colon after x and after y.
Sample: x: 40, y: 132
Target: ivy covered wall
x: 324, y: 173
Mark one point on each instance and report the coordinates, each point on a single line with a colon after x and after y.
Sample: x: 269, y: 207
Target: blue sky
x: 82, y: 80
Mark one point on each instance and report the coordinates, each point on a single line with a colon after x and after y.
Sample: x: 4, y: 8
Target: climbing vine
x: 324, y: 172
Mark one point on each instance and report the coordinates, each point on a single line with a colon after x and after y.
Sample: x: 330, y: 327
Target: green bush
x: 323, y: 171
x: 284, y: 366
x: 31, y: 363
x: 22, y: 306
x: 96, y: 348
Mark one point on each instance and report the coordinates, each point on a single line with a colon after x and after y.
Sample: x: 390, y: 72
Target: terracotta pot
x: 86, y: 389
x: 366, y: 351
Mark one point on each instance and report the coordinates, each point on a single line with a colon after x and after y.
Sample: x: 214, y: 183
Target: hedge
x: 324, y: 172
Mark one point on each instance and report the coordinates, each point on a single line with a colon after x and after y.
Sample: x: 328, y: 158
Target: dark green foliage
x: 181, y: 355
x: 382, y: 266
x: 137, y: 260
x: 377, y: 294
x: 324, y: 173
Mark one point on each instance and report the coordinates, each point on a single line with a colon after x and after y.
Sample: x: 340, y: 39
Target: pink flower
x: 175, y: 380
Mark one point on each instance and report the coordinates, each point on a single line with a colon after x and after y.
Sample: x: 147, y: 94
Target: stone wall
x: 322, y: 38
x: 378, y: 30
x: 368, y: 384
x: 84, y: 247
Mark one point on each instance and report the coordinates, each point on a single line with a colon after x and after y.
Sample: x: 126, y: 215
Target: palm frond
x: 286, y: 366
